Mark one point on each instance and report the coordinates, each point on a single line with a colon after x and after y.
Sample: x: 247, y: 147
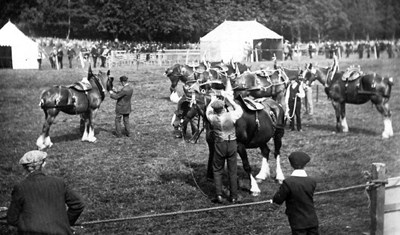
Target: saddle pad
x: 81, y: 86
x: 253, y: 105
x: 352, y: 74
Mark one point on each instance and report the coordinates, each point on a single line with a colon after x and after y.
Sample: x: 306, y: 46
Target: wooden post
x: 377, y: 197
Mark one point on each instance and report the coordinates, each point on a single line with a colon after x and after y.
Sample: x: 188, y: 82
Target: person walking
x: 225, y: 145
x: 94, y: 52
x: 42, y: 204
x: 53, y: 58
x: 298, y: 193
x: 123, y: 107
x: 287, y: 50
x: 41, y: 56
x: 71, y: 55
x: 60, y: 55
x: 294, y: 94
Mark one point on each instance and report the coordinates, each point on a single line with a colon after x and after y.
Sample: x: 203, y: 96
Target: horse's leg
x: 91, y: 137
x: 345, y: 127
x: 336, y: 106
x: 254, y: 189
x: 278, y: 135
x: 265, y: 171
x: 82, y: 124
x: 384, y: 109
x: 44, y: 140
x: 85, y: 135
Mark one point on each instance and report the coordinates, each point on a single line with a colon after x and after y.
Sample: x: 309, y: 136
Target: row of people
x: 363, y: 48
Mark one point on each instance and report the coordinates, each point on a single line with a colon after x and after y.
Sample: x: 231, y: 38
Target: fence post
x: 377, y: 197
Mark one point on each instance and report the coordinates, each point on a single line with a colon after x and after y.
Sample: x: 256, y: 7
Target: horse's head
x: 174, y: 74
x: 106, y: 80
x: 309, y: 74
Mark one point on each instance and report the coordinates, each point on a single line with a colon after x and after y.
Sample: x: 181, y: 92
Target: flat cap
x: 298, y: 160
x: 123, y: 78
x: 217, y: 105
x: 33, y: 158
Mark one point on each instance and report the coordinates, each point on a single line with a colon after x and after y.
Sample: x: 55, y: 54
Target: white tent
x: 228, y: 41
x: 24, y: 50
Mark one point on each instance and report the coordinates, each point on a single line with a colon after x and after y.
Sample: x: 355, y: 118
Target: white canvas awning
x: 24, y: 50
x: 227, y: 41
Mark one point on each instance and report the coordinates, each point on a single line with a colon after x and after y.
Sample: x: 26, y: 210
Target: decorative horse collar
x: 100, y: 86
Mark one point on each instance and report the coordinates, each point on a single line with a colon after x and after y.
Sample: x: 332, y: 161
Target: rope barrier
x: 344, y: 189
x: 218, y: 207
x: 174, y: 213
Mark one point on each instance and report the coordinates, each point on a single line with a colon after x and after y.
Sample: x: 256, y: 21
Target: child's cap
x: 298, y: 159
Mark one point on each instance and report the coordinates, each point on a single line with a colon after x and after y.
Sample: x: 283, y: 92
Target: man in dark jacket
x: 38, y: 203
x: 71, y: 55
x: 123, y: 107
x: 95, y: 53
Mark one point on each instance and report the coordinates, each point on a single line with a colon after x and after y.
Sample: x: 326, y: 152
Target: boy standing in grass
x: 298, y: 191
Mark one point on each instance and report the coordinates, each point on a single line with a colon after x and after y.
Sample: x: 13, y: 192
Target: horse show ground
x: 152, y: 172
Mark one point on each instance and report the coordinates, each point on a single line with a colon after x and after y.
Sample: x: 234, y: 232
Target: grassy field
x: 152, y: 172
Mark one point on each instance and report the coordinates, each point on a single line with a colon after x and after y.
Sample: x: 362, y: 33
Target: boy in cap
x: 298, y: 191
x: 225, y: 146
x: 38, y: 203
x: 123, y: 107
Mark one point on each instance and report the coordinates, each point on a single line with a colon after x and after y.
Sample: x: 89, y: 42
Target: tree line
x: 188, y: 20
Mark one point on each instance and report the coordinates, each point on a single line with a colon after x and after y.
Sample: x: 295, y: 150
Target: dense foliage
x: 188, y: 20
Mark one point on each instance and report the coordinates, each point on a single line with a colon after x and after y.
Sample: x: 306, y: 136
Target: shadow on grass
x: 332, y: 128
x: 197, y: 179
x: 66, y: 137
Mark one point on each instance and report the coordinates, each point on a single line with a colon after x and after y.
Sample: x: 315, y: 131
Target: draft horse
x: 341, y: 90
x: 261, y: 84
x: 74, y: 99
x: 253, y: 130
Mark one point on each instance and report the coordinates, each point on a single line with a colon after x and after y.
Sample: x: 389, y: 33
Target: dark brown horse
x: 75, y: 99
x: 183, y: 73
x: 340, y: 90
x: 253, y: 130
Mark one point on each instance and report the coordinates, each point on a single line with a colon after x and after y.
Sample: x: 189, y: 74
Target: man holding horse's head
x: 225, y: 146
x: 123, y: 107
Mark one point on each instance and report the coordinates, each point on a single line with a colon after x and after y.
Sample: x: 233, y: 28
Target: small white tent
x: 24, y: 51
x: 228, y: 41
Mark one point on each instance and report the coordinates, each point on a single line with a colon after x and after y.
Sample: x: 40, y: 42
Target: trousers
x: 225, y: 150
x: 118, y: 126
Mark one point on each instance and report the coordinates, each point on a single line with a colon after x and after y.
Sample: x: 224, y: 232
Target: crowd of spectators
x: 362, y: 48
x: 99, y: 50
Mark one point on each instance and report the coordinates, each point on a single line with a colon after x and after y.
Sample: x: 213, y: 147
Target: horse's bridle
x: 100, y: 86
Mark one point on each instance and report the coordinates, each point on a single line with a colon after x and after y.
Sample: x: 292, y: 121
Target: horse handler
x: 298, y: 192
x: 223, y: 125
x: 123, y: 107
x: 42, y: 204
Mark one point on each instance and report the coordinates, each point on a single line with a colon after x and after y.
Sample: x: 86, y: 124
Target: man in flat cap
x: 298, y: 191
x: 225, y: 146
x: 42, y: 204
x: 123, y: 107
